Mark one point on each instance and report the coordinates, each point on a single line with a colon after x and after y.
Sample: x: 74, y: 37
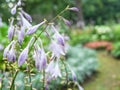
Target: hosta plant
x: 32, y: 57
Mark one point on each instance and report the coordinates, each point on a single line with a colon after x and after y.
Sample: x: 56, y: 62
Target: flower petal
x: 33, y: 29
x: 13, y: 10
x: 23, y: 56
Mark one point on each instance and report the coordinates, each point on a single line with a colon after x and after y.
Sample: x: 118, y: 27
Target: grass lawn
x: 108, y: 76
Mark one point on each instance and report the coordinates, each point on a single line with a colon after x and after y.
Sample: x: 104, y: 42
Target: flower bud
x: 68, y: 23
x: 13, y: 10
x: 23, y: 56
x: 21, y: 35
x: 25, y: 23
x: 73, y: 9
x: 33, y: 29
x: 11, y: 30
x: 19, y: 3
x: 27, y: 16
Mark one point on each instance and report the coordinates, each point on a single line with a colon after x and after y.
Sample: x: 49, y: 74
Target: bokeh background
x: 94, y: 37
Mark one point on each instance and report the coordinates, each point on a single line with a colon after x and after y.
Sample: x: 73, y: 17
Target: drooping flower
x: 6, y: 50
x: 13, y: 10
x: 56, y: 49
x: 43, y: 60
x: 21, y: 35
x: 1, y: 47
x: 11, y: 54
x: 58, y: 37
x: 50, y: 67
x: 74, y: 9
x: 11, y: 30
x: 40, y: 57
x: 37, y: 53
x: 23, y: 56
x: 79, y: 87
x: 25, y: 23
x: 74, y: 76
x: 19, y: 3
x: 56, y: 72
x: 53, y: 69
x: 67, y: 22
x: 27, y: 16
x: 1, y: 23
x: 33, y: 29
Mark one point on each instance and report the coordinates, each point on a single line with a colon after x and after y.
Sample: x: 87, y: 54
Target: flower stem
x: 60, y: 13
x: 43, y: 79
x: 30, y: 81
x: 12, y: 84
x: 66, y: 74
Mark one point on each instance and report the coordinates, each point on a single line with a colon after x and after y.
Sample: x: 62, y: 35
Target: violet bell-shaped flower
x: 43, y: 60
x: 13, y: 10
x: 67, y: 22
x: 53, y: 69
x: 40, y: 57
x: 73, y: 9
x: 25, y: 23
x: 11, y: 54
x: 21, y: 35
x: 56, y: 72
x: 11, y: 30
x: 33, y: 29
x: 50, y: 67
x: 6, y: 50
x: 57, y: 49
x: 74, y: 77
x: 23, y: 56
x: 19, y: 3
x: 37, y: 53
x: 79, y: 87
x: 27, y: 16
x: 60, y: 38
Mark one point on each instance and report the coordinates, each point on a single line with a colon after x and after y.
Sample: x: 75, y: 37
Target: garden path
x: 108, y: 77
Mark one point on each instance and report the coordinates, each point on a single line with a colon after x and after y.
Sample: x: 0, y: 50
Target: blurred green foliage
x: 83, y: 61
x: 94, y: 11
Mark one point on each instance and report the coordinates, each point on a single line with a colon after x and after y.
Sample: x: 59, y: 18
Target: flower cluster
x: 46, y: 59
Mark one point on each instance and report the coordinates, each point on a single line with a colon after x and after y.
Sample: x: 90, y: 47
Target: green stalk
x: 12, y: 84
x: 66, y: 73
x: 43, y: 79
x: 29, y: 77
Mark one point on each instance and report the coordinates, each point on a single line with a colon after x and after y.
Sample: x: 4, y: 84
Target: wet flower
x: 23, y: 56
x: 74, y: 9
x: 33, y: 29
x: 11, y: 30
x: 13, y: 10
